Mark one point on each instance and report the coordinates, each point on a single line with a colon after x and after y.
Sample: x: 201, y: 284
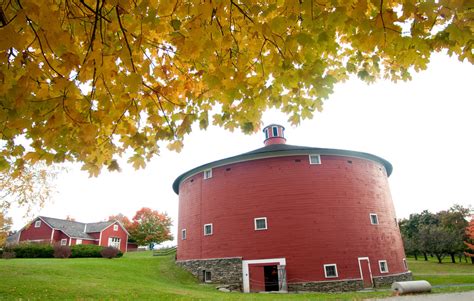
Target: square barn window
x: 115, y: 227
x: 314, y: 159
x: 330, y: 270
x: 374, y: 220
x: 206, y: 275
x: 208, y: 229
x: 63, y: 241
x: 383, y: 266
x: 207, y: 174
x: 183, y: 234
x: 260, y: 223
x: 37, y: 224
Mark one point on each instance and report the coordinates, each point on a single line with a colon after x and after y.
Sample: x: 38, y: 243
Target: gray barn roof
x: 76, y: 229
x: 277, y: 150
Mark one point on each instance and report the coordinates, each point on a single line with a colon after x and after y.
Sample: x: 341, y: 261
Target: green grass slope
x: 135, y: 276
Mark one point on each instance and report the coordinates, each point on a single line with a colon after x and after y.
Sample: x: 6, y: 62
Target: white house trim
x: 245, y: 269
x: 360, y: 268
x: 116, y: 222
x: 52, y: 235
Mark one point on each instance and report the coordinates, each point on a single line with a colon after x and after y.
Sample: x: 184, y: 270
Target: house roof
x: 76, y: 229
x: 277, y: 150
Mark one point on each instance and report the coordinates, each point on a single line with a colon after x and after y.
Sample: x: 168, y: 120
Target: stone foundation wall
x: 226, y: 271
x: 389, y: 279
x: 326, y: 286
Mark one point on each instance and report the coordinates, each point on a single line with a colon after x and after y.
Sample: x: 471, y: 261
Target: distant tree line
x: 440, y: 234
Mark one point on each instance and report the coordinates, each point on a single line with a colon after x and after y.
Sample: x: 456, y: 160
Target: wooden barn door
x: 257, y: 278
x: 365, y: 272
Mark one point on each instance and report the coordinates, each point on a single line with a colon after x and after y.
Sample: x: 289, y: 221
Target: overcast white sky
x: 424, y: 127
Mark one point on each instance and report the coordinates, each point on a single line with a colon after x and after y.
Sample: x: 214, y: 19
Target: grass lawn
x: 142, y: 276
x: 442, y: 274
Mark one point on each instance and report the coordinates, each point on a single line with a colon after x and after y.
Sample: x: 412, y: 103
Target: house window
x: 266, y: 134
x: 37, y: 224
x: 330, y: 270
x: 405, y: 264
x: 275, y: 131
x: 79, y: 242
x: 63, y: 241
x: 208, y: 229
x: 374, y: 220
x: 183, y: 234
x: 206, y: 276
x: 383, y: 266
x: 115, y: 227
x: 260, y: 223
x: 114, y: 242
x: 314, y: 159
x: 207, y: 174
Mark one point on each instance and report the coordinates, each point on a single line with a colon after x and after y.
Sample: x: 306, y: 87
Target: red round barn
x: 286, y: 217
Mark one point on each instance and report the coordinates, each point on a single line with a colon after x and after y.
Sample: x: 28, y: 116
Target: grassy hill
x: 142, y: 276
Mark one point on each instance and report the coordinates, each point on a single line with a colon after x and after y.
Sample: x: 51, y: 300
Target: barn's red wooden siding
x: 120, y: 233
x: 41, y: 233
x: 316, y: 214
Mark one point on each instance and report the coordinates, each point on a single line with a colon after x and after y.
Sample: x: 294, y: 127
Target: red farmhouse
x: 290, y: 218
x: 68, y: 233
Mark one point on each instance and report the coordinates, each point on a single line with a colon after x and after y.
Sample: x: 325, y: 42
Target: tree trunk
x: 416, y: 256
x: 472, y: 260
x: 426, y: 257
x: 453, y: 259
x: 439, y: 258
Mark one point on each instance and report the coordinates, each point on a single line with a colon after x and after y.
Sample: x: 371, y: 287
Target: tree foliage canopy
x: 150, y: 226
x: 28, y: 187
x: 87, y: 80
x: 440, y: 234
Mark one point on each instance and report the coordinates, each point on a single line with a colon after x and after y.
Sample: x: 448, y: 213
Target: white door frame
x: 360, y: 269
x: 245, y: 269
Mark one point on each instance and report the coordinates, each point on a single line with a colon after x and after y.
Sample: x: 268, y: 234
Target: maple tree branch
x: 241, y: 11
x: 30, y: 23
x: 383, y: 23
x: 94, y: 11
x: 173, y: 131
x: 125, y: 37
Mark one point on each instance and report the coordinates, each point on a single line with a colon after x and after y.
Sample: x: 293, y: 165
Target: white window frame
x: 37, y: 224
x: 64, y: 242
x: 326, y: 272
x: 204, y: 276
x: 405, y: 264
x: 115, y: 227
x: 183, y: 234
x: 114, y: 242
x: 274, y: 128
x: 311, y: 160
x: 380, y: 266
x: 260, y: 218
x: 211, y: 227
x: 78, y: 241
x: 376, y: 218
x: 207, y: 174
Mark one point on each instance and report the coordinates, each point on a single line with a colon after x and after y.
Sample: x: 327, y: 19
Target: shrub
x: 62, y: 251
x: 110, y: 252
x: 83, y: 251
x: 8, y: 254
x: 29, y: 250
